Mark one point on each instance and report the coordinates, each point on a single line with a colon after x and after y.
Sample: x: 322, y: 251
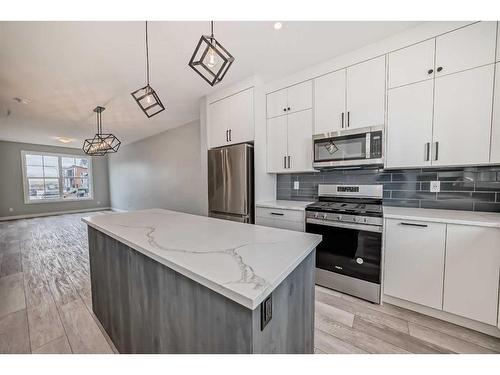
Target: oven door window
x: 349, y: 252
x: 349, y: 147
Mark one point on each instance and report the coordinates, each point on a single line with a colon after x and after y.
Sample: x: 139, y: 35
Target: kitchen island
x: 169, y: 282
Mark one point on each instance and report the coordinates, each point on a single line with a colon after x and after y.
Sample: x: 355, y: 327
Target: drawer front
x: 282, y: 224
x: 277, y: 213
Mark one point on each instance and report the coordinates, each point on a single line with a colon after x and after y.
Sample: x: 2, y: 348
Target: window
x: 56, y: 177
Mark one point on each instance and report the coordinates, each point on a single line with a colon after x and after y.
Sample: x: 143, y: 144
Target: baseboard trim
x: 118, y: 209
x: 443, y: 315
x: 28, y: 216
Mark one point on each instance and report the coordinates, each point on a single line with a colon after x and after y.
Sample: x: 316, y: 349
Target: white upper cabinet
x: 462, y: 117
x: 289, y: 143
x: 409, y: 125
x: 366, y: 94
x: 218, y: 123
x: 299, y: 141
x: 414, y: 261
x: 241, y: 118
x: 498, y: 54
x: 276, y: 103
x: 277, y: 141
x: 472, y: 272
x: 466, y: 48
x: 412, y: 64
x: 231, y: 120
x: 495, y: 135
x: 292, y: 99
x: 299, y: 97
x: 330, y: 102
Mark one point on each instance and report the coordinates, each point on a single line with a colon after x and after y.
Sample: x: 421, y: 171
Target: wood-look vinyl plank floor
x: 46, y: 304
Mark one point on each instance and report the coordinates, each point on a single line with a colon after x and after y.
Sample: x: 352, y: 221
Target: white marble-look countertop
x: 243, y: 262
x: 484, y: 219
x: 284, y: 205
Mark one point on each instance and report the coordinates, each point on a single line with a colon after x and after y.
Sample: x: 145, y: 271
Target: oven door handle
x: 339, y: 224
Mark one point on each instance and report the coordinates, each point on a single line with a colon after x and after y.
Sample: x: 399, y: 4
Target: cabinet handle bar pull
x: 414, y: 225
x: 427, y: 151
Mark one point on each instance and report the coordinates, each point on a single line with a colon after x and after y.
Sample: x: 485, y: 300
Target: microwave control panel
x: 376, y: 145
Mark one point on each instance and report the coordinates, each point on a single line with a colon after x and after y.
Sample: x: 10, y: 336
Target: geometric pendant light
x: 146, y: 97
x: 210, y: 59
x: 102, y: 143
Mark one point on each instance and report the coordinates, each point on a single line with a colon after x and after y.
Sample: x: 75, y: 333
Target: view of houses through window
x: 53, y: 177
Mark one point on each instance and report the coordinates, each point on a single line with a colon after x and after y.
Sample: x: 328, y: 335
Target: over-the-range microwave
x: 349, y: 148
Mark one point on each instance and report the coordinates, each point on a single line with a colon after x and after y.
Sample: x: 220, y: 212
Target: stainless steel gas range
x: 349, y: 217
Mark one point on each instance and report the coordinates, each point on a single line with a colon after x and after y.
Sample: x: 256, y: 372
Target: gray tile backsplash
x: 471, y: 189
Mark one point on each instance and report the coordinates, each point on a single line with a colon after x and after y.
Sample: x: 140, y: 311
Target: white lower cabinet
x: 472, y: 272
x: 414, y: 261
x: 449, y: 267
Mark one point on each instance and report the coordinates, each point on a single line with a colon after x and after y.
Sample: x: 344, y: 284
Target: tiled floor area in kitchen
x: 45, y: 303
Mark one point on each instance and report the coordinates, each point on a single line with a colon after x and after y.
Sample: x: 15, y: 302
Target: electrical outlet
x: 435, y: 186
x: 11, y: 209
x: 98, y: 202
x: 296, y: 185
x: 266, y: 312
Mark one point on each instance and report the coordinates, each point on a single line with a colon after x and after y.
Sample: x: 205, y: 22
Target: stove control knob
x: 315, y: 215
x: 339, y: 217
x: 325, y: 216
x: 365, y: 220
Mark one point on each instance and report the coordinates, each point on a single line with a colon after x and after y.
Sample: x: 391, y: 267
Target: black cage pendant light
x: 102, y: 143
x: 210, y: 59
x: 146, y: 97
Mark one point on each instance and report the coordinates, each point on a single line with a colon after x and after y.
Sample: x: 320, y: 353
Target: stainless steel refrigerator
x: 231, y: 183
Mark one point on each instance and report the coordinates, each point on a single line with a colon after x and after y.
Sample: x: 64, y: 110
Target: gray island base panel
x: 147, y: 307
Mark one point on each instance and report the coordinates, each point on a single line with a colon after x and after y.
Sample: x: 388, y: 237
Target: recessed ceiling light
x: 278, y: 25
x: 64, y: 139
x: 22, y: 100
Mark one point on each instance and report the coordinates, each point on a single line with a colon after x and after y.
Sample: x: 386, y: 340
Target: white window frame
x: 27, y: 199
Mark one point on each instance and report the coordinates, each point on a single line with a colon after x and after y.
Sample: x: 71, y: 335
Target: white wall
x: 162, y: 171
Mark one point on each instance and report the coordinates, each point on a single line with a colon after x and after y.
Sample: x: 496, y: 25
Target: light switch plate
x: 296, y: 185
x: 435, y: 186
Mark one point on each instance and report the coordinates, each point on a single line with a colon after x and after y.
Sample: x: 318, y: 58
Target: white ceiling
x: 68, y: 68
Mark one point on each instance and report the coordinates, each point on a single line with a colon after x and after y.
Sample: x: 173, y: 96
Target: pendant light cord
x: 147, y: 54
x: 212, y: 29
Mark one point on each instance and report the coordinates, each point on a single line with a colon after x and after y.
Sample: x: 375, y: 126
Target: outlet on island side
x: 296, y: 185
x: 435, y: 186
x: 266, y: 312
